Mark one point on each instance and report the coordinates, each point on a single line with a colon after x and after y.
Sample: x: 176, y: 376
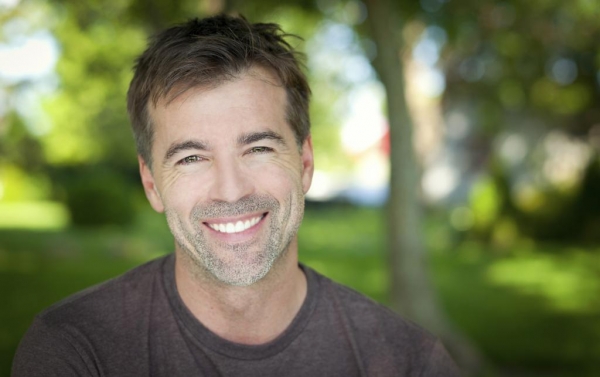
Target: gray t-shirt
x: 137, y: 325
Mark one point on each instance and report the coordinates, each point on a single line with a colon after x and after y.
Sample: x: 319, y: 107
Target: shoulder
x: 71, y: 335
x: 384, y: 340
x: 365, y: 314
x: 110, y: 297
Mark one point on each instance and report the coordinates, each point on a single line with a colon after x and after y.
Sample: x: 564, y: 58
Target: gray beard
x: 245, y: 269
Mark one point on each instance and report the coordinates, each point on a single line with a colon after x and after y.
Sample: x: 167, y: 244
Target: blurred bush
x: 98, y: 196
x: 541, y: 213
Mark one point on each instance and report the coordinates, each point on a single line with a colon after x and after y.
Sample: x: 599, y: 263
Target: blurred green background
x: 504, y: 96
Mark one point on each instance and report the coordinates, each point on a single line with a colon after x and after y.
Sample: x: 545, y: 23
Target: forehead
x: 253, y: 99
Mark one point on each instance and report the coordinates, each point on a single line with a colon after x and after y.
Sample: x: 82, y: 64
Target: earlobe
x: 150, y: 186
x: 308, y: 164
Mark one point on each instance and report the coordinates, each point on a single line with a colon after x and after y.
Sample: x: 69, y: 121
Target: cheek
x: 172, y: 181
x: 287, y: 189
x: 281, y: 184
x: 182, y: 194
x: 279, y: 174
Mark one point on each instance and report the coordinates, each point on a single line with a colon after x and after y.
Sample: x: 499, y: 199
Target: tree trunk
x: 412, y: 294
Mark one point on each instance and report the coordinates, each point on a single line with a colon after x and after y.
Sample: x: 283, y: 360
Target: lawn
x: 533, y: 310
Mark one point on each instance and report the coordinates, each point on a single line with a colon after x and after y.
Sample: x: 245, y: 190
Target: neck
x: 255, y: 314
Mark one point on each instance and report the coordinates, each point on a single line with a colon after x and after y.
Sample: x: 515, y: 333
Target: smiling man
x: 219, y: 109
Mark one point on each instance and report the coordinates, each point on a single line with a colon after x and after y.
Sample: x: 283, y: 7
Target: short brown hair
x: 206, y: 52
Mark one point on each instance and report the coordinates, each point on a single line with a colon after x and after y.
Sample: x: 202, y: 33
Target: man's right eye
x: 189, y: 160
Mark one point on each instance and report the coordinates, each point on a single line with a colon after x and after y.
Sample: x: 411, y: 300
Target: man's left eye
x: 260, y: 150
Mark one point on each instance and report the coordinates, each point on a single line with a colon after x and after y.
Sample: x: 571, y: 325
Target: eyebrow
x: 253, y: 137
x: 185, y: 145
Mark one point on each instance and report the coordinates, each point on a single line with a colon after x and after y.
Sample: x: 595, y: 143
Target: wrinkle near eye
x: 170, y: 178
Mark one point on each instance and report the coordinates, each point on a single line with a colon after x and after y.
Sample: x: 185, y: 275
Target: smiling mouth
x: 236, y: 227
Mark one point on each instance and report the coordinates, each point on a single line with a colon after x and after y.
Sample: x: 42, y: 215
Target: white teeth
x: 239, y: 226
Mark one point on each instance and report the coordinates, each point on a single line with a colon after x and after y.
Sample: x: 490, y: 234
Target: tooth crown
x: 237, y: 227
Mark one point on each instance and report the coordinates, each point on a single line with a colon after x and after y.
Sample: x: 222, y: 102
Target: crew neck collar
x: 203, y: 337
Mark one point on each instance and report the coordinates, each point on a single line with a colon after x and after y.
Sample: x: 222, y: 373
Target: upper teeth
x: 237, y: 227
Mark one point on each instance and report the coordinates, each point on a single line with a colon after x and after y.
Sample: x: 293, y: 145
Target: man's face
x: 229, y: 176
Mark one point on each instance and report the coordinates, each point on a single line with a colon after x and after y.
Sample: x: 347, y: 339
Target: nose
x: 230, y: 182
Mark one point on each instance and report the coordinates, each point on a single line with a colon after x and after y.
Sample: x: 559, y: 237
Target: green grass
x: 348, y: 246
x: 533, y: 310
x: 519, y: 318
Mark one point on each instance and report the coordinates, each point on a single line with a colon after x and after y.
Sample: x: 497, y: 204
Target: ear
x: 150, y: 186
x: 308, y: 163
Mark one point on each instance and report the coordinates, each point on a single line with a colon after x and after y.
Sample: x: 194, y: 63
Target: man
x: 219, y: 109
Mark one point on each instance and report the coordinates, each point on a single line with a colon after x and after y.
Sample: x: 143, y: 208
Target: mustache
x: 247, y: 204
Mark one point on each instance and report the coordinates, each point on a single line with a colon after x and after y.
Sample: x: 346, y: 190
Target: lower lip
x: 239, y: 236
